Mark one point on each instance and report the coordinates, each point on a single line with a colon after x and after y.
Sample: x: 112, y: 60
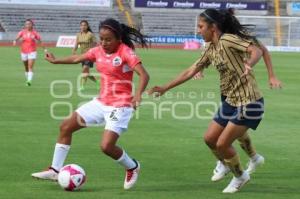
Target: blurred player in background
x: 86, y: 40
x: 28, y: 37
x: 116, y: 61
x: 242, y: 102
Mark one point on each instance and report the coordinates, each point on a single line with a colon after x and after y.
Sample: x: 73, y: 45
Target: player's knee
x: 65, y: 128
x: 208, y: 139
x: 106, y: 148
x: 221, y: 146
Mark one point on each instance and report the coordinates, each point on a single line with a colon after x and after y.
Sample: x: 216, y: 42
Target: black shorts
x: 87, y: 63
x: 248, y: 115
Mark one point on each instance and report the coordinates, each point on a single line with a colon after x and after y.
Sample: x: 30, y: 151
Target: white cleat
x: 49, y: 174
x: 220, y: 172
x: 132, y: 176
x: 237, y: 183
x: 255, y: 162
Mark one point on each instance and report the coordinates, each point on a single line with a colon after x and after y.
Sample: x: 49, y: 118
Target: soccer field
x: 175, y: 161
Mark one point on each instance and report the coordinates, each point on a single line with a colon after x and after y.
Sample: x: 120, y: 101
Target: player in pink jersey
x: 29, y: 38
x: 116, y: 62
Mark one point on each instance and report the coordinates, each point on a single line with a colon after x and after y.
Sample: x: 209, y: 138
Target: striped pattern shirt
x: 86, y: 41
x: 228, y: 58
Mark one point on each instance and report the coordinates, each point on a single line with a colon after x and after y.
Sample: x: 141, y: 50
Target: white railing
x: 283, y: 33
x: 275, y: 31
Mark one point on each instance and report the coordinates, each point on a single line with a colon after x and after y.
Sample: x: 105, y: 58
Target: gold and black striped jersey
x: 86, y: 41
x: 228, y: 58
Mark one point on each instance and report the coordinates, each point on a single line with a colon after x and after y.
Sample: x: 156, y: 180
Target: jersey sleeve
x: 91, y: 55
x: 235, y: 42
x: 258, y: 44
x: 94, y: 40
x: 37, y: 36
x: 20, y: 34
x: 203, y: 61
x: 131, y: 58
x: 77, y: 38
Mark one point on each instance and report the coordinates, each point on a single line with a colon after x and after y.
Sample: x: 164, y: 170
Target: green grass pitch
x: 175, y: 161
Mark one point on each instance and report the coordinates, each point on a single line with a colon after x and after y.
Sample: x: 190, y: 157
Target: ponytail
x: 126, y: 34
x: 130, y: 34
x: 232, y: 25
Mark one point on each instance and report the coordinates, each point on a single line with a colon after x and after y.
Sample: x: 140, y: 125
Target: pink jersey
x: 28, y: 40
x: 116, y: 72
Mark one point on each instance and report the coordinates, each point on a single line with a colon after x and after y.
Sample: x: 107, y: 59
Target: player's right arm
x: 199, y: 75
x: 187, y: 74
x: 73, y: 59
x: 75, y: 47
x: 19, y: 36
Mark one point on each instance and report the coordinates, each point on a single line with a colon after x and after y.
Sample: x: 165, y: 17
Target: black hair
x: 125, y: 33
x: 30, y: 20
x: 228, y: 23
x: 231, y: 11
x: 88, y: 25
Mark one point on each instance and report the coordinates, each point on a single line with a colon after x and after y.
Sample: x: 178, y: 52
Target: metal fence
x: 275, y: 31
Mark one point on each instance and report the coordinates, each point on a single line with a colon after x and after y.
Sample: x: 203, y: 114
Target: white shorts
x: 26, y: 56
x: 94, y: 113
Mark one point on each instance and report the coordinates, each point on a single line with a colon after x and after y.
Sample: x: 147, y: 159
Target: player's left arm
x: 42, y: 45
x: 39, y: 42
x: 37, y: 37
x: 94, y: 41
x: 255, y: 54
x: 143, y: 82
x: 273, y: 81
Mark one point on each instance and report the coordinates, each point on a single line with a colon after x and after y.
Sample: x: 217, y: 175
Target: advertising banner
x: 98, y: 3
x: 196, y: 4
x: 66, y: 41
x: 167, y: 39
x: 191, y: 45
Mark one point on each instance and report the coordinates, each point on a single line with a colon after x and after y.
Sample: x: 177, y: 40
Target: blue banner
x: 295, y: 6
x: 166, y: 39
x: 196, y: 4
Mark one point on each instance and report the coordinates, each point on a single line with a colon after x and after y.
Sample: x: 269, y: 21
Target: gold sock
x: 217, y: 155
x: 235, y: 165
x: 246, y: 144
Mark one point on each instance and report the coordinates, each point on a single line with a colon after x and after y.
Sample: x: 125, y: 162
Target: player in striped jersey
x: 86, y: 40
x: 242, y: 102
x: 245, y: 142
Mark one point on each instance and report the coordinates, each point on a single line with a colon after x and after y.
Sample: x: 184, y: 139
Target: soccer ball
x: 71, y: 177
